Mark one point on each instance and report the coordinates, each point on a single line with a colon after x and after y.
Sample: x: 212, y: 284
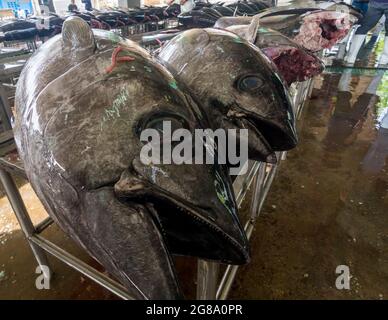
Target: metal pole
x: 256, y: 204
x: 207, y: 279
x: 24, y: 220
x: 306, y: 94
x: 43, y: 225
x: 242, y: 190
x: 82, y: 267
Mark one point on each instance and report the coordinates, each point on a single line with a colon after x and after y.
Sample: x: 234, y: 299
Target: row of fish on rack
x: 205, y: 14
x: 201, y: 15
x: 50, y: 25
x: 85, y: 96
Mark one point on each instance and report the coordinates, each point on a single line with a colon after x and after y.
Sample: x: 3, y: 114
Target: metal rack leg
x: 207, y: 280
x: 256, y: 204
x: 24, y: 220
x: 77, y: 264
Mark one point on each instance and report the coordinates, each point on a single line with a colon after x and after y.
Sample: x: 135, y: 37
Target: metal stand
x: 208, y: 284
x: 23, y: 218
x: 39, y: 245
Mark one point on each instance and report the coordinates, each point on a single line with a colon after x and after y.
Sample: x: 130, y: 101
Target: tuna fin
x: 77, y: 34
x: 251, y: 32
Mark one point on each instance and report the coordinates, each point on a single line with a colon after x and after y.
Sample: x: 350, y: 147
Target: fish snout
x: 198, y: 217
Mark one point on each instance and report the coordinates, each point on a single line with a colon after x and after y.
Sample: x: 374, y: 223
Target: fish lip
x: 287, y: 135
x: 271, y: 156
x: 288, y: 140
x: 199, y: 215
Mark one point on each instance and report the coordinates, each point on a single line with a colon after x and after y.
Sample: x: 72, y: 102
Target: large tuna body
x: 82, y: 101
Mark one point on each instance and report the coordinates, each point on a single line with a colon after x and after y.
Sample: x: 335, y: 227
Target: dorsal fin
x: 251, y: 32
x: 77, y: 34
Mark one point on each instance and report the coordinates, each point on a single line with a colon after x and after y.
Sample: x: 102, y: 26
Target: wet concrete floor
x: 328, y: 206
x: 329, y: 203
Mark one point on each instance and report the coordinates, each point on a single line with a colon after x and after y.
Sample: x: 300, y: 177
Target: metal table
x: 211, y: 283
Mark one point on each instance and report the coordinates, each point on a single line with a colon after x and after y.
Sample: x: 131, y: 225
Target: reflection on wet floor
x: 327, y: 207
x: 329, y: 203
x: 367, y: 57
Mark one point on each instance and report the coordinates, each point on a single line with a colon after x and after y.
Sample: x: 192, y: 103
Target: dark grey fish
x: 82, y: 101
x: 314, y: 29
x: 237, y: 85
x: 17, y: 25
x: 197, y: 19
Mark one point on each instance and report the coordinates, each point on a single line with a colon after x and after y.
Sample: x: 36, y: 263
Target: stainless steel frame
x: 210, y: 283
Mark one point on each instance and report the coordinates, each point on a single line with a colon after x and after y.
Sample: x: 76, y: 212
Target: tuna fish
x: 238, y: 86
x: 82, y: 101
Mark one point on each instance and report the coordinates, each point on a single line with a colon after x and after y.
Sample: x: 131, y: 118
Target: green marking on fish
x: 222, y: 195
x: 173, y: 84
x: 114, y: 37
x: 238, y: 40
x: 147, y: 68
x: 113, y: 111
x: 262, y: 29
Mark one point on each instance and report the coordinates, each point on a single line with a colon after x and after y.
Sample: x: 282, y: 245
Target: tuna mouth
x: 191, y: 232
x: 279, y: 138
x: 259, y: 148
x: 294, y: 64
x: 322, y: 30
x: 211, y: 233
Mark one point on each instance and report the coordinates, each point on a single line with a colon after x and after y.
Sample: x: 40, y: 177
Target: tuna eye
x: 165, y: 123
x: 160, y: 124
x: 166, y: 126
x: 249, y: 83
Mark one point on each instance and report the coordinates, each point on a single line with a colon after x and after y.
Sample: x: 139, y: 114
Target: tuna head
x: 294, y: 63
x: 312, y: 28
x: 82, y: 103
x: 237, y: 85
